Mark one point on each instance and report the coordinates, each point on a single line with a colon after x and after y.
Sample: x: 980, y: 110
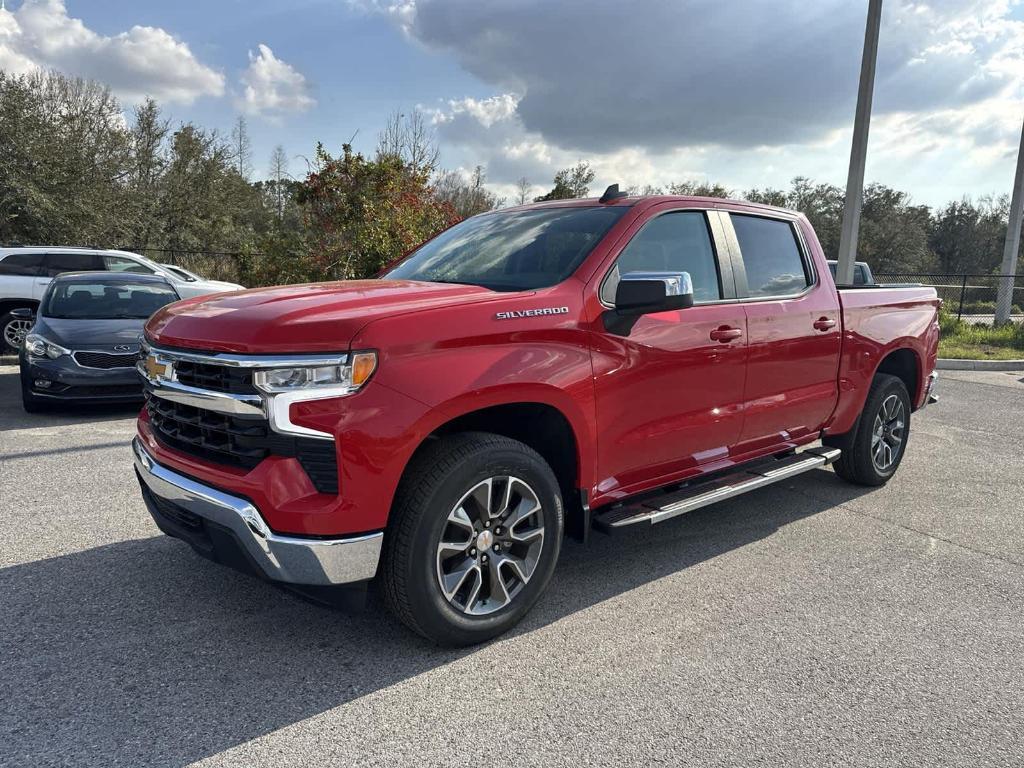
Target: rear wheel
x: 873, y: 450
x: 476, y: 530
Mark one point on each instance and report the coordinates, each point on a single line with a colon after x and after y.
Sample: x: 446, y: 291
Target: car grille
x: 220, y: 378
x: 238, y: 441
x: 105, y: 360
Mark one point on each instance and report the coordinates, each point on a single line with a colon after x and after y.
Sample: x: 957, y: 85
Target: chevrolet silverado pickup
x: 531, y: 373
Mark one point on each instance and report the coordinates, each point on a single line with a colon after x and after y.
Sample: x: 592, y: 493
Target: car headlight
x: 38, y: 346
x: 348, y: 375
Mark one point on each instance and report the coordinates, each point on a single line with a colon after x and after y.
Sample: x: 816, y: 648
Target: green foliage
x: 363, y: 214
x: 570, y: 183
x: 960, y: 339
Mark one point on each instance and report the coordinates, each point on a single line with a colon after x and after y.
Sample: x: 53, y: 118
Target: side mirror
x: 23, y: 313
x: 641, y: 293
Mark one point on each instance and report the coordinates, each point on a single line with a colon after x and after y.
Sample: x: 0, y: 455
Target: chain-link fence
x: 972, y: 297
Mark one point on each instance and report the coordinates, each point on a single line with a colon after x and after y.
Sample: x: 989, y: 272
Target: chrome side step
x: 669, y: 505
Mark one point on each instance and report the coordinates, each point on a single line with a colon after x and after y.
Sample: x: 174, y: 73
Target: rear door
x: 18, y: 275
x: 793, y: 331
x: 669, y: 393
x: 56, y: 263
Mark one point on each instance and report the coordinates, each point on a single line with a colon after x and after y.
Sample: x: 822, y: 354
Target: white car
x: 26, y: 271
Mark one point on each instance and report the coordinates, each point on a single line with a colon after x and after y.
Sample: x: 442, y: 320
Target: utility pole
x: 859, y: 149
x: 1008, y: 272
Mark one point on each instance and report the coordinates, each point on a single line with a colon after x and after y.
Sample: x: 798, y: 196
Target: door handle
x: 725, y: 334
x: 824, y: 324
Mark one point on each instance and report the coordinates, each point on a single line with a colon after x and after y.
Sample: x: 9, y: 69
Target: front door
x: 669, y: 393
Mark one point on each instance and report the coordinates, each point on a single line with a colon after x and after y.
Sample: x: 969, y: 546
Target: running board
x: 669, y: 505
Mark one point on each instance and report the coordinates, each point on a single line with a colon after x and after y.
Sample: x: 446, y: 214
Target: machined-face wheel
x: 15, y: 332
x: 888, y: 433
x: 490, y: 545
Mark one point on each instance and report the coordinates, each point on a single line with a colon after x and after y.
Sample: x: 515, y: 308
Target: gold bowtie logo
x: 154, y: 368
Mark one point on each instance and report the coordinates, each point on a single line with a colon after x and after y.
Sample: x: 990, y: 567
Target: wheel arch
x: 905, y: 364
x: 540, y: 425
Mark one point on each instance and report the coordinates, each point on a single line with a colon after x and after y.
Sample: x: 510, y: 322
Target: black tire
x: 436, y: 481
x: 857, y: 463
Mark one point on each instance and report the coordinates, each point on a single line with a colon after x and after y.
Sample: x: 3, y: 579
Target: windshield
x: 100, y: 300
x: 511, y: 251
x: 182, y: 273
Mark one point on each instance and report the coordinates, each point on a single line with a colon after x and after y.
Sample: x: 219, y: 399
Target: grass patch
x: 967, y: 341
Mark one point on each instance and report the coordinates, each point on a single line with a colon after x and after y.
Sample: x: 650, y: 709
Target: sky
x: 748, y: 93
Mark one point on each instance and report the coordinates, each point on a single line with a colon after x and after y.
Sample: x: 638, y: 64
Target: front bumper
x: 69, y: 381
x: 230, y: 530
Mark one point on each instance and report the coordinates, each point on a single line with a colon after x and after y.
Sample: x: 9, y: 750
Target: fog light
x: 42, y: 383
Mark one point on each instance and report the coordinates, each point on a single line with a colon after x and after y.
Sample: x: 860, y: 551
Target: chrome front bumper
x: 291, y: 559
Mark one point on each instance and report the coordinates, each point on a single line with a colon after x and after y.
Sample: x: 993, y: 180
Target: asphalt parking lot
x: 812, y: 623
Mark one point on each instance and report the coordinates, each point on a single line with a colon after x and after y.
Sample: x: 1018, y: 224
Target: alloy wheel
x: 888, y: 433
x: 490, y: 545
x: 15, y: 332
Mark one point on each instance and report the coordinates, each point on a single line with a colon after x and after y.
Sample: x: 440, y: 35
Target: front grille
x: 239, y: 442
x: 220, y: 378
x: 105, y: 360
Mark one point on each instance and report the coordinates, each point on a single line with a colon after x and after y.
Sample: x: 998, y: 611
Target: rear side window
x: 55, y: 263
x: 121, y: 264
x: 673, y: 242
x: 22, y: 264
x: 771, y: 256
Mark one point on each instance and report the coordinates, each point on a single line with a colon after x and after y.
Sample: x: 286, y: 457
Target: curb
x: 948, y: 364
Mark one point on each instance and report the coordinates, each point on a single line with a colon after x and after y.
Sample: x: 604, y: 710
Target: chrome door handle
x: 824, y: 324
x: 725, y: 334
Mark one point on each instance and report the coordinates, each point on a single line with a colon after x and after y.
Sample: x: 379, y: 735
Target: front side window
x: 771, y: 256
x: 673, y: 242
x: 100, y: 300
x: 21, y: 264
x: 511, y: 251
x: 121, y: 264
x: 56, y: 263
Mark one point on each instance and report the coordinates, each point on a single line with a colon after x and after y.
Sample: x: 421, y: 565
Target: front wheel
x: 476, y: 530
x: 13, y: 331
x: 872, y: 451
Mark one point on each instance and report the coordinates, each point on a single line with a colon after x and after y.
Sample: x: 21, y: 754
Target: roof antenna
x: 612, y: 193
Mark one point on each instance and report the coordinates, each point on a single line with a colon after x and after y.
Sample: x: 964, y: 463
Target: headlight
x: 349, y: 375
x: 37, y: 346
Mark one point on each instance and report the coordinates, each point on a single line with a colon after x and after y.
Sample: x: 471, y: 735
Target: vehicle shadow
x: 13, y: 417
x: 141, y: 653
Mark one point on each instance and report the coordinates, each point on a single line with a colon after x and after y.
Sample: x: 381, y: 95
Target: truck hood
x: 318, y: 317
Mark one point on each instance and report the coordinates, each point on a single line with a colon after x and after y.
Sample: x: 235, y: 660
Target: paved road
x: 811, y: 624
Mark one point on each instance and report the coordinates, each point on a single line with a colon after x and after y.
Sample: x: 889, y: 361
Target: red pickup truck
x: 530, y: 373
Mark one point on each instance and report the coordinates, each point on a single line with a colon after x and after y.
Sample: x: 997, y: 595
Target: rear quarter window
x: 21, y: 264
x: 771, y: 256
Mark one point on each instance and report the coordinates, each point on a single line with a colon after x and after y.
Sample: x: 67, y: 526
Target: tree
x: 966, y: 238
x: 570, y: 183
x: 278, y: 180
x: 362, y: 214
x: 523, y: 188
x: 466, y: 198
x: 241, y: 147
x: 409, y: 139
x: 698, y: 189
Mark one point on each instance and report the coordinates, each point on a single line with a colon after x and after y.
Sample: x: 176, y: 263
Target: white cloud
x: 143, y: 61
x: 273, y: 87
x: 750, y: 94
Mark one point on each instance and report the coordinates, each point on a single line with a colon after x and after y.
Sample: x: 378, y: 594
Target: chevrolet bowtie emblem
x: 154, y: 368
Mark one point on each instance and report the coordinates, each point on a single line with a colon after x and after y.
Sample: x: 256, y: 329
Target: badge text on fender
x: 517, y: 313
